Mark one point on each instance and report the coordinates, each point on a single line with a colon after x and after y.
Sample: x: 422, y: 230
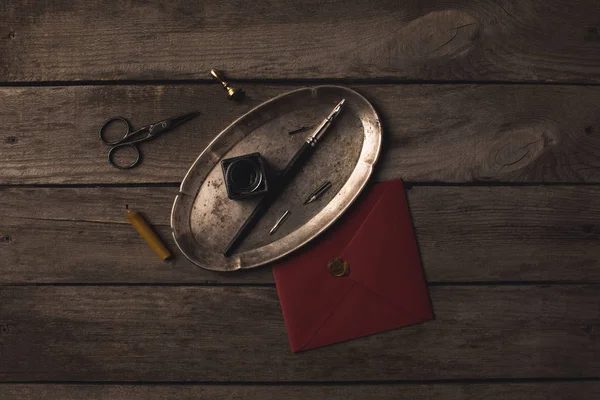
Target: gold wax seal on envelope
x: 338, y: 267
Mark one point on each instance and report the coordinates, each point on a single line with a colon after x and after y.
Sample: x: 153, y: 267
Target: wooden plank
x: 540, y: 40
x: 449, y: 391
x: 465, y: 234
x: 449, y: 133
x: 210, y: 334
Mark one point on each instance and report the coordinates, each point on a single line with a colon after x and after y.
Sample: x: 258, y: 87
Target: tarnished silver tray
x: 204, y: 219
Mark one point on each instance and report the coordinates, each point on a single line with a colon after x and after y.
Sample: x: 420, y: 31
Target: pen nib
x: 337, y: 108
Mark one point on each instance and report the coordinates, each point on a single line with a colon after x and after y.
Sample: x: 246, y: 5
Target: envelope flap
x: 383, y: 255
x: 308, y: 297
x: 308, y: 293
x: 361, y: 313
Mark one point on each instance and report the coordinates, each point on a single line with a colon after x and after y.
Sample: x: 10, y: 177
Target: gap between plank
x: 320, y: 81
x: 313, y: 383
x: 271, y: 285
x: 407, y: 184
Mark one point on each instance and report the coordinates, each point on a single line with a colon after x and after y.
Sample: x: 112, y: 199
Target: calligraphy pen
x: 285, y: 177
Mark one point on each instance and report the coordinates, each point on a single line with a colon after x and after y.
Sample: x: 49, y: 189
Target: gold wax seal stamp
x: 232, y: 94
x: 338, y: 267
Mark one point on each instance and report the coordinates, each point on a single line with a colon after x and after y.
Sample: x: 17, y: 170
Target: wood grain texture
x: 452, y: 391
x: 231, y: 334
x: 465, y: 234
x: 539, y: 40
x: 449, y: 133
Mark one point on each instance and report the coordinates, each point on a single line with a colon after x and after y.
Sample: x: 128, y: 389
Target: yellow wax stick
x: 146, y: 232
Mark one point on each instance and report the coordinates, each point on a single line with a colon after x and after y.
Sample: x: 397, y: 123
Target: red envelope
x: 385, y: 288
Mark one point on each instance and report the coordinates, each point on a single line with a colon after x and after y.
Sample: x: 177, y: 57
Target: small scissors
x: 131, y: 137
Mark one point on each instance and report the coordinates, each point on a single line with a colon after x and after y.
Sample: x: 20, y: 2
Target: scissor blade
x: 180, y: 119
x: 169, y: 123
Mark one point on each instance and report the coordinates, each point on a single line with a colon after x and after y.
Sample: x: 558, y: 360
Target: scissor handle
x: 115, y: 120
x: 111, y: 155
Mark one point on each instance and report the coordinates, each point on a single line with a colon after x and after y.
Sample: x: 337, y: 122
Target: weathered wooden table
x: 492, y: 116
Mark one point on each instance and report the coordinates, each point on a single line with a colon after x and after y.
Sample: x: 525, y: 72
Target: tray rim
x: 367, y: 165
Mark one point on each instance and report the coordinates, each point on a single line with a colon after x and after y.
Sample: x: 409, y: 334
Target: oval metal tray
x: 204, y: 219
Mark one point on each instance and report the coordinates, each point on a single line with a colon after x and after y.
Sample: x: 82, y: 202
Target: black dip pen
x: 285, y: 177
